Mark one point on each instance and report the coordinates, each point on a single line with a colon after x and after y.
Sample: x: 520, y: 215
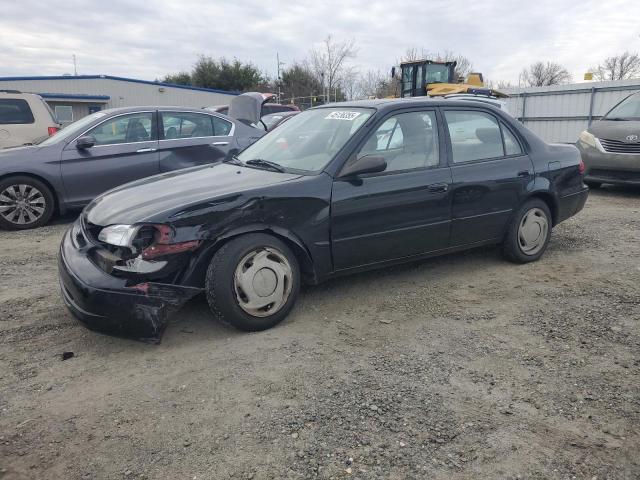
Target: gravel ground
x: 464, y: 366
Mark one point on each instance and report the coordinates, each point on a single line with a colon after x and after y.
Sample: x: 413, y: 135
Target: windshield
x: 437, y: 73
x: 308, y: 141
x: 629, y: 109
x: 73, y: 129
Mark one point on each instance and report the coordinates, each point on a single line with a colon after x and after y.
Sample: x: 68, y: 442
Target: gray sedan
x: 107, y: 149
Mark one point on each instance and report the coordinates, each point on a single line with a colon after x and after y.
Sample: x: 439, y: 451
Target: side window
x: 64, y: 113
x: 221, y: 128
x: 511, y: 145
x: 406, y: 141
x: 474, y: 136
x: 15, y: 111
x: 132, y: 128
x: 186, y: 125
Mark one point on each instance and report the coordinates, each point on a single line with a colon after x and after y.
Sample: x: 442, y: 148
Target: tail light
x: 52, y: 130
x: 581, y: 167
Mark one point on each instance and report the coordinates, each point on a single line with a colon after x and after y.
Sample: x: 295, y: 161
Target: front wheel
x: 253, y: 282
x: 528, y: 233
x: 24, y: 203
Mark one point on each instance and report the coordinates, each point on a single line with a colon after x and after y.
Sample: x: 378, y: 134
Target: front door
x: 189, y: 139
x: 401, y: 212
x: 125, y: 150
x: 490, y: 175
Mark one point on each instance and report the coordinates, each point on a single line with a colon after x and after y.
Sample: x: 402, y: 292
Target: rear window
x: 15, y: 111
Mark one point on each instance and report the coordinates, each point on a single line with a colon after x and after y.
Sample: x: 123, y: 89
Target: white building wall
x: 123, y: 93
x: 559, y: 113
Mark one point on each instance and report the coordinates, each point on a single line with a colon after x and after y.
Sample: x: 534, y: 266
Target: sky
x: 148, y: 39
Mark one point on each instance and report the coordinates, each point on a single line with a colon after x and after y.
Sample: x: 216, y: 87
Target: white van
x: 25, y: 119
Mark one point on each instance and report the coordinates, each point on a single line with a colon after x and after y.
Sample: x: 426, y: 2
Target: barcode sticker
x: 342, y: 116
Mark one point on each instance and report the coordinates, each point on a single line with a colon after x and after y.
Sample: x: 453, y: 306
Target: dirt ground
x: 463, y: 366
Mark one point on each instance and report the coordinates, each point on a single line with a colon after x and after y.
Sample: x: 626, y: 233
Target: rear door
x: 126, y: 149
x: 401, y: 212
x: 490, y: 172
x: 189, y: 139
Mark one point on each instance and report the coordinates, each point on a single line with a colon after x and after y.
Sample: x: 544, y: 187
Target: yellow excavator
x: 437, y: 79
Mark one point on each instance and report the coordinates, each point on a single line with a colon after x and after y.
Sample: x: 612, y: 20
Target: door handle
x: 524, y: 173
x: 438, y: 187
x: 219, y: 144
x: 145, y: 150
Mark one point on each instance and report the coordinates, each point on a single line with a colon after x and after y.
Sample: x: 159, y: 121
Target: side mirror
x: 362, y: 165
x: 85, y: 142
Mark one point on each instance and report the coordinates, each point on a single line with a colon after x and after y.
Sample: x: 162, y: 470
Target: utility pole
x: 75, y: 66
x: 279, y: 79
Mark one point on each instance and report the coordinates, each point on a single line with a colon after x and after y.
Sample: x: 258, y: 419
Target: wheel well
x: 303, y: 257
x: 548, y: 199
x: 56, y: 201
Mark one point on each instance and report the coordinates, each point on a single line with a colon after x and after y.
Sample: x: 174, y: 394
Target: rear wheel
x: 253, y: 282
x: 24, y: 203
x: 529, y: 232
x: 593, y: 185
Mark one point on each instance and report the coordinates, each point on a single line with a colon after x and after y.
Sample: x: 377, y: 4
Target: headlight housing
x: 147, y: 240
x: 589, y: 139
x: 119, y: 235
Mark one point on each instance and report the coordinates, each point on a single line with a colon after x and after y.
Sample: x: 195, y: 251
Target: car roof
x: 388, y: 104
x: 156, y: 107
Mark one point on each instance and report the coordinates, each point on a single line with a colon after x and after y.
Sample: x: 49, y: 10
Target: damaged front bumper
x: 108, y: 304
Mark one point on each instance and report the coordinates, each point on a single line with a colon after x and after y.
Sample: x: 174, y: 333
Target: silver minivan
x: 610, y: 147
x: 25, y: 119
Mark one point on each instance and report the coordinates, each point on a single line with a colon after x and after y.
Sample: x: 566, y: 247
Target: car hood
x: 163, y: 197
x: 14, y: 159
x: 12, y: 152
x: 616, y: 130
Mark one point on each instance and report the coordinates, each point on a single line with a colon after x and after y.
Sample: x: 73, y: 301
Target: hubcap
x: 262, y: 282
x: 22, y: 204
x: 532, y: 232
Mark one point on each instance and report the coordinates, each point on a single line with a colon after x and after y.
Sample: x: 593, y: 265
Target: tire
x: 522, y: 244
x: 237, y: 266
x: 34, y: 203
x: 593, y: 185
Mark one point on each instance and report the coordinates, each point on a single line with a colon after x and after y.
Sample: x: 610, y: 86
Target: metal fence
x: 559, y: 113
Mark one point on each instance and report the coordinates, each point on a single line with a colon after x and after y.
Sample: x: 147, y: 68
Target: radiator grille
x: 616, y: 146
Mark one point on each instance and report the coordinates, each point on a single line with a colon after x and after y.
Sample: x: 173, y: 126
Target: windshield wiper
x: 233, y: 159
x: 616, y: 119
x: 260, y: 162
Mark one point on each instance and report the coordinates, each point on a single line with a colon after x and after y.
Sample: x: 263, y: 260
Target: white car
x: 25, y: 119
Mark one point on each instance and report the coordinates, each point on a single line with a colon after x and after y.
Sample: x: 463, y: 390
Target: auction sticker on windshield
x: 342, y: 115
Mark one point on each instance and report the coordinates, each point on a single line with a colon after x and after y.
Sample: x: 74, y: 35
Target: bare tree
x: 498, y: 85
x: 619, y: 67
x: 463, y: 64
x: 541, y: 74
x: 413, y: 54
x: 349, y: 82
x: 369, y: 84
x: 329, y: 61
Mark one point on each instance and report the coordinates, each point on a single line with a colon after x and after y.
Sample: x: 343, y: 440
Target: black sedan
x: 336, y: 189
